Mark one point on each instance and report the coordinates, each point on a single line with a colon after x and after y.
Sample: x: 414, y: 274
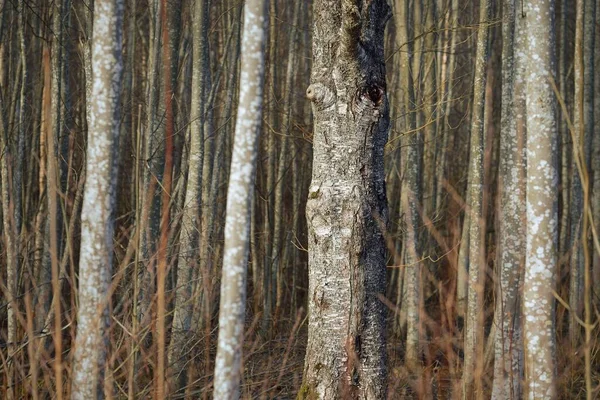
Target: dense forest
x: 311, y: 199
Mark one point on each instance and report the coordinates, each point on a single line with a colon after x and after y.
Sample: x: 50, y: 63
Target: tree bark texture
x: 474, y: 323
x: 541, y: 202
x: 508, y: 366
x: 346, y: 208
x: 99, y: 202
x: 239, y: 203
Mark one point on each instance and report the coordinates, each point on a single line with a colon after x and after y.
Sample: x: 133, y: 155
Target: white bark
x: 239, y: 200
x: 91, y: 343
x: 542, y: 202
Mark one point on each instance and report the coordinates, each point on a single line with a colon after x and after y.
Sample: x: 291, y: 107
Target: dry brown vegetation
x: 43, y: 61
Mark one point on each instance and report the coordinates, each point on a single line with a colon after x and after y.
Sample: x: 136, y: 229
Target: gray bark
x: 239, y: 203
x: 411, y: 195
x: 9, y: 236
x: 346, y: 209
x: 583, y: 122
x: 508, y: 366
x: 18, y: 173
x: 565, y: 135
x: 54, y: 221
x: 448, y: 85
x: 282, y: 239
x: 188, y: 252
x: 474, y: 335
x: 153, y: 161
x: 542, y: 202
x: 272, y: 149
x: 92, y: 339
x: 596, y: 168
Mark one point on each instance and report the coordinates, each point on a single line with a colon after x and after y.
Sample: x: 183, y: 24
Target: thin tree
x: 279, y: 246
x: 188, y: 251
x: 541, y: 203
x: 153, y: 152
x: 9, y: 239
x: 474, y: 335
x: 411, y: 194
x: 347, y: 208
x: 583, y: 121
x: 596, y: 167
x: 508, y: 366
x: 91, y: 345
x: 239, y: 203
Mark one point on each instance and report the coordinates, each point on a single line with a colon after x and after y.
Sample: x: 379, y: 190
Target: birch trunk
x: 346, y: 209
x: 239, y: 203
x: 542, y: 202
x: 92, y: 339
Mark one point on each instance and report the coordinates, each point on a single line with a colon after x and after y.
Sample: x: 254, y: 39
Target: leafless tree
x: 99, y: 201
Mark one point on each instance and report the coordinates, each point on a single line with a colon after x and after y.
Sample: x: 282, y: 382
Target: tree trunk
x: 53, y: 221
x: 596, y: 167
x: 508, y: 366
x: 411, y: 195
x: 188, y: 250
x: 9, y: 239
x: 272, y: 149
x: 583, y: 122
x: 95, y: 262
x: 282, y: 239
x: 239, y: 203
x: 542, y: 202
x: 152, y: 174
x: 474, y: 322
x: 346, y: 209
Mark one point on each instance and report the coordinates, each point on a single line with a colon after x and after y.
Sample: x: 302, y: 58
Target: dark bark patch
x: 373, y: 93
